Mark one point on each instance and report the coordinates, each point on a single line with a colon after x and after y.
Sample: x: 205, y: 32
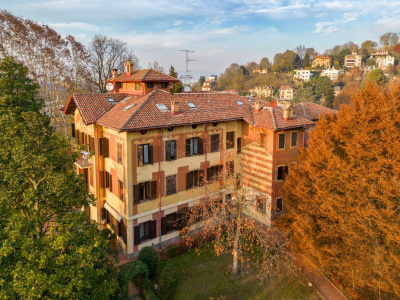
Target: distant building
x: 383, y: 59
x: 353, y: 60
x: 259, y: 71
x: 331, y: 73
x: 265, y: 91
x: 337, y: 90
x: 303, y: 75
x: 206, y: 87
x: 322, y: 61
x: 286, y: 92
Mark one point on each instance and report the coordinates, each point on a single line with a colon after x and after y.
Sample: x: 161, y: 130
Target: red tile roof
x: 285, y: 87
x: 141, y: 112
x: 146, y: 75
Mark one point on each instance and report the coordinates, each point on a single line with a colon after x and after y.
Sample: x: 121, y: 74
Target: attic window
x: 110, y: 100
x: 248, y: 99
x: 162, y: 107
x: 191, y: 105
x: 126, y: 99
x: 129, y: 106
x: 239, y: 102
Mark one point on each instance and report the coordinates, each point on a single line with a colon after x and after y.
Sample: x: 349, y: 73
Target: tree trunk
x: 236, y: 244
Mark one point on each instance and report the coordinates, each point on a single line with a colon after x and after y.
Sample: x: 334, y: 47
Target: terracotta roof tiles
x: 149, y: 75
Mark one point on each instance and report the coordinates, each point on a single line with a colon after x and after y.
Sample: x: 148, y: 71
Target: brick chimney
x: 258, y: 106
x: 175, y: 108
x: 128, y: 68
x: 114, y: 73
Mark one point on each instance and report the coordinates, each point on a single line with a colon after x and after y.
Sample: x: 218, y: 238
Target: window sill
x: 170, y: 194
x: 144, y: 201
x: 145, y: 241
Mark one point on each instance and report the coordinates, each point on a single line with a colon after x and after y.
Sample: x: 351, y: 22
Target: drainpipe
x: 276, y: 168
x: 304, y: 134
x: 98, y: 175
x: 159, y: 183
x: 205, y: 163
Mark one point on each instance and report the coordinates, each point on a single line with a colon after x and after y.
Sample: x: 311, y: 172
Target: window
x: 260, y: 203
x: 137, y: 86
x: 214, y: 142
x: 263, y: 140
x: 164, y: 85
x: 294, y: 139
x: 239, y: 102
x: 282, y: 141
x: 230, y: 140
x: 170, y: 185
x: 239, y: 145
x: 119, y: 153
x: 144, y: 232
x: 279, y: 205
x: 104, y: 147
x: 282, y: 172
x: 120, y: 190
x: 194, y: 178
x: 91, y: 143
x: 145, y: 154
x: 194, y: 146
x: 107, y: 181
x: 144, y: 191
x: 170, y: 150
x: 149, y: 85
x: 214, y: 173
x: 191, y: 105
x: 122, y: 231
x: 168, y: 223
x: 162, y: 107
x: 230, y: 168
x: 73, y: 130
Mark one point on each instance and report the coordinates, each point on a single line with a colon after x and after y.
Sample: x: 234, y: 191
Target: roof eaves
x: 83, y: 118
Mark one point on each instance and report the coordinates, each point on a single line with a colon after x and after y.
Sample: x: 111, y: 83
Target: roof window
x: 129, y: 106
x: 110, y: 100
x: 191, y: 105
x: 162, y: 107
x: 126, y: 99
x: 239, y: 102
x: 249, y: 99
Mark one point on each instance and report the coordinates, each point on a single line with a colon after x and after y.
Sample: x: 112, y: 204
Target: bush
x: 138, y: 273
x: 167, y: 282
x: 149, y: 256
x: 149, y: 295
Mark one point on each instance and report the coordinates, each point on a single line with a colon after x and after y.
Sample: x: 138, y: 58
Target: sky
x: 219, y: 32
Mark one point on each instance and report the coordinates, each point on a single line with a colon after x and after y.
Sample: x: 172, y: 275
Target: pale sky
x: 220, y: 32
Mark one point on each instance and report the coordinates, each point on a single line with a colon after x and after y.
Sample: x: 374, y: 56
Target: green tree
x: 265, y: 64
x: 304, y: 95
x: 322, y: 85
x: 172, y: 72
x: 49, y: 248
x: 329, y: 96
x: 371, y: 62
x: 369, y: 45
x: 342, y: 195
x: 306, y: 60
x: 201, y: 80
x: 176, y: 87
x: 377, y: 76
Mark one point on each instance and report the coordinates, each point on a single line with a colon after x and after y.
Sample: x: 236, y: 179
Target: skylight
x: 162, y: 107
x: 129, y: 106
x: 126, y: 99
x: 191, y: 105
x: 110, y: 100
x: 239, y: 102
x: 249, y: 99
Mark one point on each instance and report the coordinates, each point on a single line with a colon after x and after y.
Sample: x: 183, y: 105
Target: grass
x: 206, y: 276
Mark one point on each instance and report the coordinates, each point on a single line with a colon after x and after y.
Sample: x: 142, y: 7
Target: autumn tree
x: 389, y: 39
x: 343, y: 195
x: 265, y: 64
x: 346, y: 94
x: 369, y: 46
x: 49, y: 248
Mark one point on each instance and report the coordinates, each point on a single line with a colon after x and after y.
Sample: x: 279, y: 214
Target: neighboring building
x: 303, y: 75
x: 321, y: 61
x: 263, y: 91
x: 206, y: 87
x: 260, y: 71
x: 331, y: 73
x: 158, y: 154
x: 353, y: 60
x: 383, y: 59
x: 140, y: 82
x: 286, y: 92
x: 337, y: 89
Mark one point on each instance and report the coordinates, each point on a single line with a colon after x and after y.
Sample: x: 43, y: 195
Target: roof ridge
x: 304, y: 109
x: 147, y: 73
x: 141, y: 105
x: 271, y: 109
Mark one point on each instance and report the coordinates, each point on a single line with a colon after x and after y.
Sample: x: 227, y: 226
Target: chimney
x: 114, y: 73
x: 258, y: 106
x: 128, y: 68
x: 175, y: 107
x: 288, y: 112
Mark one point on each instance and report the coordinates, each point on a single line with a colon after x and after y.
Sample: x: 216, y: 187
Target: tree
x: 346, y: 94
x: 342, y: 195
x: 176, y: 87
x: 306, y: 60
x: 201, y: 80
x: 265, y: 64
x: 156, y: 66
x: 329, y: 96
x: 322, y: 85
x: 369, y: 45
x: 396, y: 49
x: 371, y: 62
x: 108, y: 54
x: 172, y: 72
x: 311, y: 52
x: 300, y: 50
x: 49, y: 247
x: 377, y: 76
x: 389, y: 39
x: 304, y: 95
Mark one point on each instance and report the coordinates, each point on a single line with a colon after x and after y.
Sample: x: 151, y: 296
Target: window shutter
x: 122, y: 231
x: 200, y: 146
x: 201, y: 177
x: 72, y: 130
x: 163, y: 226
x: 153, y: 190
x: 77, y: 134
x: 209, y: 174
x: 136, y: 194
x: 173, y: 183
x: 188, y: 180
x: 102, y: 184
x: 188, y: 147
x: 140, y: 155
x: 106, y: 149
x: 151, y: 154
x: 91, y: 143
x: 153, y: 230
x: 136, y: 235
x: 285, y: 172
x: 110, y: 180
x: 174, y: 149
x: 101, y: 146
x: 168, y: 151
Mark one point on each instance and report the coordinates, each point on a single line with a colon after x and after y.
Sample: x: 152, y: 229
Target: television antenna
x: 187, y: 78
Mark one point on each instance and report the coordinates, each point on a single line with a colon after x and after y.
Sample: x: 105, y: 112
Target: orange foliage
x: 343, y: 195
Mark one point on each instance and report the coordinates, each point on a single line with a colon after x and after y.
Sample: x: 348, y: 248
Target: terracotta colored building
x: 154, y: 155
x: 286, y: 92
x: 322, y: 61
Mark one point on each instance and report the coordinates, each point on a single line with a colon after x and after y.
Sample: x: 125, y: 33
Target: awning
x: 113, y: 212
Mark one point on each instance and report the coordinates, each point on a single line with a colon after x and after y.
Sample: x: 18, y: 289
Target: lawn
x: 203, y: 276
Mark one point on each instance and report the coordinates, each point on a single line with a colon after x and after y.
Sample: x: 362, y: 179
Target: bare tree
x: 300, y: 50
x: 156, y: 66
x: 108, y: 54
